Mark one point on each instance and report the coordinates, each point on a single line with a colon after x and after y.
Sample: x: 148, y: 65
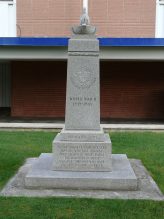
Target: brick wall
x: 38, y: 89
x: 132, y: 90
x: 129, y: 90
x: 113, y: 18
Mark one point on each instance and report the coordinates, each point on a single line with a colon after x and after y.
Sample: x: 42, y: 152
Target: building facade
x: 113, y: 18
x: 131, y: 89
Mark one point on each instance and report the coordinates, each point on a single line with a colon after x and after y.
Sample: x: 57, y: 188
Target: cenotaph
x: 82, y: 156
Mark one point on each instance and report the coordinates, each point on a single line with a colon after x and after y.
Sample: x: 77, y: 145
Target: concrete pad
x: 122, y: 176
x: 147, y: 188
x: 59, y: 126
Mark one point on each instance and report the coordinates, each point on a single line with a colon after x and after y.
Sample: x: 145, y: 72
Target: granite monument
x: 82, y: 153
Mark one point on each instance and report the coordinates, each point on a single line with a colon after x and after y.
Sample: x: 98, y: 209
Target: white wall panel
x: 159, y: 19
x: 8, y: 18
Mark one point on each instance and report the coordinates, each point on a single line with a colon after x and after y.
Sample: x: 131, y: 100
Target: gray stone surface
x: 84, y: 19
x: 122, y: 176
x: 82, y: 135
x: 83, y: 44
x: 83, y: 94
x: 84, y: 29
x: 82, y: 156
x: 82, y: 144
x: 148, y: 189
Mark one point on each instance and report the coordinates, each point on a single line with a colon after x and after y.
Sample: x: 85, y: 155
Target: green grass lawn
x: 15, y: 147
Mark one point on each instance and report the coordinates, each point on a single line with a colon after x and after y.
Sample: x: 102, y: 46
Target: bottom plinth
x: 122, y: 176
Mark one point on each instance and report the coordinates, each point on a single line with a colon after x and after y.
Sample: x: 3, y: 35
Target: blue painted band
x: 140, y: 42
x: 63, y: 41
x: 33, y: 41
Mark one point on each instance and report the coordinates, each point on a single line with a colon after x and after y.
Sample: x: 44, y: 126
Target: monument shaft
x: 83, y: 100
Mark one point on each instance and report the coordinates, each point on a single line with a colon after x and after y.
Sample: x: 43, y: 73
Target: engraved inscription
x: 82, y: 101
x: 84, y: 78
x: 92, y: 156
x: 73, y: 137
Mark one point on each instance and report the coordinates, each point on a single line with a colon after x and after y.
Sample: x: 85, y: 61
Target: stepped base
x: 122, y: 176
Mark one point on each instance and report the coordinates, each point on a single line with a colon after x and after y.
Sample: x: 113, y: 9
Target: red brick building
x: 33, y: 70
x: 113, y: 18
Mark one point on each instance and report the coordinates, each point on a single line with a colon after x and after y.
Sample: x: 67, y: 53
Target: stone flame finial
x: 84, y: 19
x: 84, y: 27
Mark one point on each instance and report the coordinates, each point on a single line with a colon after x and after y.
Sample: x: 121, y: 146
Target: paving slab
x: 59, y: 126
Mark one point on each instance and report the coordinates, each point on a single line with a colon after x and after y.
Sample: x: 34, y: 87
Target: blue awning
x: 63, y: 41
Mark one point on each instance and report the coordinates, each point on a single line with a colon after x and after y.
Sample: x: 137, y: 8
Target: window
x: 159, y: 19
x: 7, y: 18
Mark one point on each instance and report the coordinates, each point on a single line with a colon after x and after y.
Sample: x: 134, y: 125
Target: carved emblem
x: 84, y: 78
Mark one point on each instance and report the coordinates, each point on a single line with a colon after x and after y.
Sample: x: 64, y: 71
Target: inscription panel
x: 82, y: 137
x: 82, y: 156
x: 82, y: 101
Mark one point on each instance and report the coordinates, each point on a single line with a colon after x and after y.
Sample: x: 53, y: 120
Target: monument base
x: 82, y: 155
x: 122, y: 176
